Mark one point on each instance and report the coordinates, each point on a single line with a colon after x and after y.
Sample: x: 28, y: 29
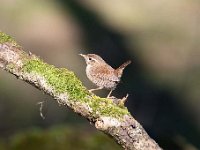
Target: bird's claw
x: 111, y: 97
x: 90, y: 91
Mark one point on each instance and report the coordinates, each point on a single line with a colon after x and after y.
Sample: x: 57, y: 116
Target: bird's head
x: 92, y: 59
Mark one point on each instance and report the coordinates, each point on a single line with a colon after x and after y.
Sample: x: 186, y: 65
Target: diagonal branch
x: 62, y: 84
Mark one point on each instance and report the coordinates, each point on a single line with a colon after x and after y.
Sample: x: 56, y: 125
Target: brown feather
x: 119, y: 70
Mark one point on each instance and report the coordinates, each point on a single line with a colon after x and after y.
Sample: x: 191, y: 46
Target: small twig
x: 119, y: 101
x: 124, y: 99
x: 41, y: 108
x: 29, y: 53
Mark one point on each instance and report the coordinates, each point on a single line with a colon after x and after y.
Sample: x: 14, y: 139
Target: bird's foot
x: 90, y: 90
x: 111, y: 97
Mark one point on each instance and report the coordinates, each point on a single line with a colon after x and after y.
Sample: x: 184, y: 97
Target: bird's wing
x: 106, y: 73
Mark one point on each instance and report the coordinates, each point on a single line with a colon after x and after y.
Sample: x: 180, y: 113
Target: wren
x: 102, y: 74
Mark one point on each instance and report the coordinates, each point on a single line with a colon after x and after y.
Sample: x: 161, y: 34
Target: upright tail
x: 119, y: 71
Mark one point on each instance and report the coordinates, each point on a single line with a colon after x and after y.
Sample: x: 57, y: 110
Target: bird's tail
x: 119, y: 70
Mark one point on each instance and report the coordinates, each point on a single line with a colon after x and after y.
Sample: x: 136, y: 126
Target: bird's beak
x: 84, y: 56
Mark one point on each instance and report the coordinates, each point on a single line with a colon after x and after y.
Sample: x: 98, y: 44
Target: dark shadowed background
x: 161, y: 37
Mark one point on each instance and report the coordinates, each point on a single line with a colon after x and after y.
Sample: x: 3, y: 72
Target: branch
x: 62, y: 84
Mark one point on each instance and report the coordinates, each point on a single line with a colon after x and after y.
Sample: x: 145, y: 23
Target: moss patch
x: 6, y: 38
x: 106, y: 107
x: 63, y: 80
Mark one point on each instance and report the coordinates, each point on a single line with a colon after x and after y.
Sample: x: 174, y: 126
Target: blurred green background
x: 161, y: 37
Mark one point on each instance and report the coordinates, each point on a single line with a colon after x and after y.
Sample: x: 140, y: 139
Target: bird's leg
x: 109, y: 94
x: 99, y: 88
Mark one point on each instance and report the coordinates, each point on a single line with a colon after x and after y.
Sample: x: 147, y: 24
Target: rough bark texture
x: 65, y: 87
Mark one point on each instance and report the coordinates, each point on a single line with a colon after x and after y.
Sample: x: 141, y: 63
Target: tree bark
x: 111, y: 118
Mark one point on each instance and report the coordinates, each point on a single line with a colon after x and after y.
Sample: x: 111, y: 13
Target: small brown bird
x: 102, y: 74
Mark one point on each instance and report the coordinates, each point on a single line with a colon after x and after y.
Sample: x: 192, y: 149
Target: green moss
x: 6, y: 38
x: 63, y: 80
x: 106, y: 107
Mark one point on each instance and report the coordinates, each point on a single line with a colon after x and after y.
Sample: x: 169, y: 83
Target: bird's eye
x: 90, y: 58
